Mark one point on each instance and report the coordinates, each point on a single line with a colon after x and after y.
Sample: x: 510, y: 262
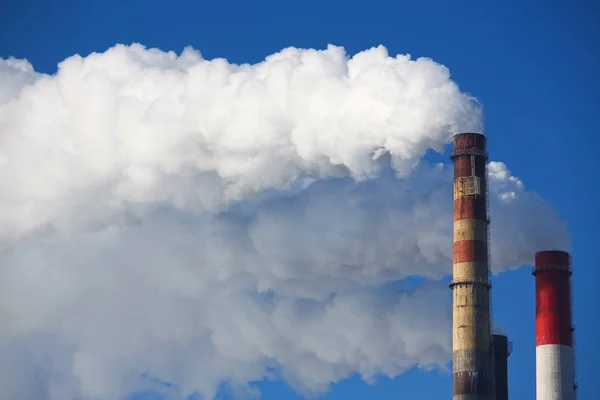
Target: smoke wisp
x: 207, y: 223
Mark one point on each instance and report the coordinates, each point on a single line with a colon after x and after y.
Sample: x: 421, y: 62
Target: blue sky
x: 534, y: 66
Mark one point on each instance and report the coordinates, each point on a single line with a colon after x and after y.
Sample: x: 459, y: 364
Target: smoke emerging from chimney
x: 206, y: 223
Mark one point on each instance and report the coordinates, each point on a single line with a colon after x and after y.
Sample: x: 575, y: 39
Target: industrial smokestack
x: 472, y: 376
x: 555, y: 367
x: 502, y: 349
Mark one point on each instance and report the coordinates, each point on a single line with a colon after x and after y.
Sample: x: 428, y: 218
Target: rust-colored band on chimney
x: 472, y: 370
x: 470, y: 208
x: 470, y: 251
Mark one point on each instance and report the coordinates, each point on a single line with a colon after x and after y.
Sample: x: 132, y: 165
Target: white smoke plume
x: 206, y: 223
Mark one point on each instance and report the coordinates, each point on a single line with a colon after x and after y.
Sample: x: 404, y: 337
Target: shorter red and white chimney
x: 555, y: 367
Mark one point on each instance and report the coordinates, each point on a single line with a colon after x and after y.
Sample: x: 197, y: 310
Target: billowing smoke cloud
x: 206, y: 223
x: 142, y: 127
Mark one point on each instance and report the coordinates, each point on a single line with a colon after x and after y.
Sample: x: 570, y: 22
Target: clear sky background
x: 534, y: 65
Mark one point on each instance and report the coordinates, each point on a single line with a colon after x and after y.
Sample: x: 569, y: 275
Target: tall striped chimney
x: 472, y: 359
x: 555, y: 367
